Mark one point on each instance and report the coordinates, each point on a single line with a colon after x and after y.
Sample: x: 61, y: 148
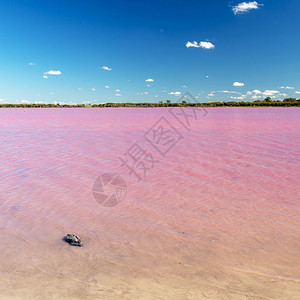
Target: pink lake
x: 217, y: 216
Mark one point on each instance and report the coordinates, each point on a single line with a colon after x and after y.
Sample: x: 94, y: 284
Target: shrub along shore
x: 267, y: 102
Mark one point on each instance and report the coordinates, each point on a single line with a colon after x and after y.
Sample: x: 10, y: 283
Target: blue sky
x: 100, y: 51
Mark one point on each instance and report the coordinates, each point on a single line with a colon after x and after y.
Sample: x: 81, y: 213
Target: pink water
x: 217, y: 217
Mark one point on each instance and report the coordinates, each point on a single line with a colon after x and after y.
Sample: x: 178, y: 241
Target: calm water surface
x: 217, y: 217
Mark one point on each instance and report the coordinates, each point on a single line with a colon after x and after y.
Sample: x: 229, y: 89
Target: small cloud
x: 146, y: 93
x: 245, y: 7
x: 52, y: 72
x: 106, y: 68
x: 149, y: 80
x: 270, y: 93
x: 107, y: 86
x: 287, y: 87
x: 79, y: 89
x: 32, y: 64
x: 238, y: 83
x: 93, y: 89
x: 52, y: 93
x: 148, y: 85
x: 118, y: 95
x: 45, y: 76
x: 207, y: 76
x: 256, y: 92
x: 184, y: 86
x: 117, y: 90
x: 175, y: 93
x: 25, y: 101
x: 204, y: 45
x: 238, y: 98
x: 256, y: 97
x: 194, y: 44
x: 297, y: 92
x: 211, y: 95
x: 228, y: 92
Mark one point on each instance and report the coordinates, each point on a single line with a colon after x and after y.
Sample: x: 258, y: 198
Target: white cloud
x: 175, y: 93
x: 297, y: 92
x: 25, y: 101
x: 52, y: 72
x: 117, y: 90
x: 207, y: 76
x: 287, y: 87
x: 204, y: 45
x: 146, y: 93
x: 93, y: 89
x: 211, y: 95
x: 244, y: 7
x: 45, y: 76
x: 238, y: 83
x: 256, y: 92
x: 256, y: 97
x: 270, y: 93
x: 194, y: 44
x: 228, y: 92
x: 207, y: 45
x: 118, y: 95
x: 107, y: 86
x: 148, y: 85
x: 184, y: 86
x: 238, y: 98
x: 106, y: 68
x: 150, y: 80
x: 32, y: 64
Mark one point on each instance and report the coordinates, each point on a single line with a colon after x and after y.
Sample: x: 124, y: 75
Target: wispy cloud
x: 204, y: 45
x: 52, y: 72
x: 107, y: 86
x: 270, y: 93
x: 238, y: 98
x: 118, y: 95
x: 45, y: 77
x: 297, y: 92
x: 238, y: 83
x: 287, y: 87
x: 149, y: 80
x: 175, y: 93
x: 32, y: 64
x: 106, y: 68
x: 93, y: 89
x: 245, y: 7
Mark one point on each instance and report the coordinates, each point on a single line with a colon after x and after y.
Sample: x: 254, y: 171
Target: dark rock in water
x: 73, y: 240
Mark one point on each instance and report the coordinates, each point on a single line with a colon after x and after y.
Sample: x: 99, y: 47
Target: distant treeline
x: 267, y: 102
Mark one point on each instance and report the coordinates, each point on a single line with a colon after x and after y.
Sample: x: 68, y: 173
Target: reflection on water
x: 217, y: 218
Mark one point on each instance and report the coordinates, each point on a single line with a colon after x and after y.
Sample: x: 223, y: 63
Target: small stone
x: 73, y: 240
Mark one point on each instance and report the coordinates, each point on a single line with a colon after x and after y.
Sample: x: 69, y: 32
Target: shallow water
x: 216, y: 216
